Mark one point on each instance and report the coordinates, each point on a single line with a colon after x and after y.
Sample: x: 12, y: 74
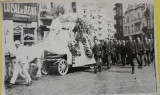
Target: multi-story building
x: 103, y: 26
x: 119, y: 20
x: 48, y: 11
x: 92, y: 14
x: 139, y: 20
x: 110, y: 33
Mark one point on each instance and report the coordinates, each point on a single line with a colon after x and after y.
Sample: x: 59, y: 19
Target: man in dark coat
x: 106, y: 50
x: 141, y: 50
x: 131, y: 52
x: 113, y: 54
x: 97, y: 51
x: 123, y: 52
x: 148, y: 47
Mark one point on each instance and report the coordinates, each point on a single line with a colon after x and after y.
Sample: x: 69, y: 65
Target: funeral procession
x: 59, y: 48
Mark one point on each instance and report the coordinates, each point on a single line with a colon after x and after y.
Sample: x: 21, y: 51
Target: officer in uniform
x: 21, y: 66
x: 141, y: 50
x: 106, y: 52
x: 131, y: 52
x: 97, y: 51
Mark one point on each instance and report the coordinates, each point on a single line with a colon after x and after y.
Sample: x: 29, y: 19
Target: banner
x: 20, y: 11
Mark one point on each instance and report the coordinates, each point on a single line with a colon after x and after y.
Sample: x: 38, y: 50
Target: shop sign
x: 20, y: 11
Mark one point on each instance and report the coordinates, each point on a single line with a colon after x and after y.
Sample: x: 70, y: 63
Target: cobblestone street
x: 117, y: 80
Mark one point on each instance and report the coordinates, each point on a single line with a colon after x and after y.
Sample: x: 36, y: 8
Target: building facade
x: 20, y: 22
x: 96, y: 16
x: 119, y: 20
x: 139, y: 20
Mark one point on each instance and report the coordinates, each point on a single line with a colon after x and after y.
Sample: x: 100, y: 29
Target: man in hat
x: 21, y: 66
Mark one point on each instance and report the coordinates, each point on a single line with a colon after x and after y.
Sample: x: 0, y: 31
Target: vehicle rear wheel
x: 62, y: 67
x: 45, y: 70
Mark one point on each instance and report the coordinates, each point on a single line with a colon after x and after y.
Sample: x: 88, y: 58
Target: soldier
x: 113, y: 54
x: 141, y: 50
x: 123, y: 52
x: 131, y: 52
x: 147, y: 44
x: 97, y: 51
x: 151, y: 40
x: 118, y: 51
x: 106, y: 50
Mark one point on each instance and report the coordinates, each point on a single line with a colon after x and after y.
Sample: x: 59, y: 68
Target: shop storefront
x: 20, y: 22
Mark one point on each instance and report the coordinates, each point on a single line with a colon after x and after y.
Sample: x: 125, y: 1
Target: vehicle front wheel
x: 62, y: 67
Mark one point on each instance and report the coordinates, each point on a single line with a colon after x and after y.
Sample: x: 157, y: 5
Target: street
x: 117, y: 80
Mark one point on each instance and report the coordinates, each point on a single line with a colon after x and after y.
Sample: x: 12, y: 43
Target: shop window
x: 28, y: 36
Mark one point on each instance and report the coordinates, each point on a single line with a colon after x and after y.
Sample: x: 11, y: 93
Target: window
x: 131, y: 17
x: 74, y: 6
x: 138, y: 15
x: 132, y: 28
x: 51, y: 4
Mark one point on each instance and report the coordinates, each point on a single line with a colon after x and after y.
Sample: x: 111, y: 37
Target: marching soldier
x: 97, y: 51
x: 147, y: 44
x: 141, y: 50
x: 123, y: 52
x: 118, y: 51
x: 106, y: 50
x: 113, y: 54
x: 152, y: 48
x: 131, y: 52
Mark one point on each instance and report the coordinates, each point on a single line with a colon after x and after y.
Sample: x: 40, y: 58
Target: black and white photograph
x: 77, y: 47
